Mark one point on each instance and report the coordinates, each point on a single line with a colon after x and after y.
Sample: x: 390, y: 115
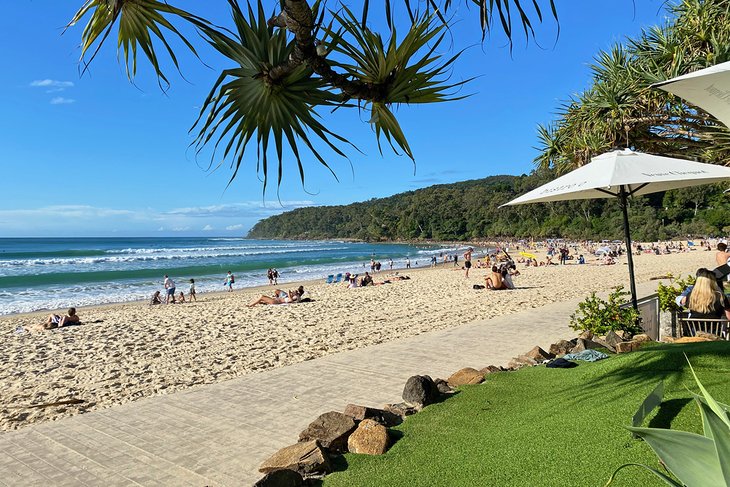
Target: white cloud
x: 51, y: 83
x: 232, y: 228
x: 180, y: 229
x: 59, y: 100
x: 207, y: 228
x: 246, y: 208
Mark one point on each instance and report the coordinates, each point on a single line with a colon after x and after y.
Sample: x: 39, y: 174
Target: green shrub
x: 600, y: 316
x: 668, y: 294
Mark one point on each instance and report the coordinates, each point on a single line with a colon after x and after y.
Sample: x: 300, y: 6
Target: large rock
x: 642, y: 337
x: 630, y: 346
x: 281, y: 478
x: 490, y: 369
x: 583, y: 344
x: 443, y: 386
x: 561, y: 347
x: 586, y: 335
x: 694, y: 339
x: 539, y: 355
x: 604, y: 343
x: 420, y: 391
x: 369, y: 438
x: 305, y: 458
x: 386, y: 418
x: 331, y: 429
x: 613, y: 338
x: 709, y: 336
x: 465, y: 376
x: 400, y: 410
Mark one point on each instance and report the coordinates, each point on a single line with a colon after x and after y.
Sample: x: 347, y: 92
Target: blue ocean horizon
x: 51, y: 273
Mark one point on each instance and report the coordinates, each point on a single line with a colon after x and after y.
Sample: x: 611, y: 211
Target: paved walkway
x: 219, y: 434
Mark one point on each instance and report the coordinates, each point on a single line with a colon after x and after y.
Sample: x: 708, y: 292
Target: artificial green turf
x: 547, y: 427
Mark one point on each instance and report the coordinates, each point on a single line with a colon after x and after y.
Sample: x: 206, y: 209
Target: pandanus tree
x: 621, y: 109
x: 292, y: 60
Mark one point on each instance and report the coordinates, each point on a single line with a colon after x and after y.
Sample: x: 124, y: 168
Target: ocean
x: 52, y: 273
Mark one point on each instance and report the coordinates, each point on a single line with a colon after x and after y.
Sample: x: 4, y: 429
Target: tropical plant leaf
x: 716, y: 407
x: 139, y: 22
x: 653, y: 400
x: 690, y: 457
x: 401, y: 71
x: 667, y: 479
x: 720, y: 434
x: 244, y: 105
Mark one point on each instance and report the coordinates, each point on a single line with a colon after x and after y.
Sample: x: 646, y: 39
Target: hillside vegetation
x: 471, y: 210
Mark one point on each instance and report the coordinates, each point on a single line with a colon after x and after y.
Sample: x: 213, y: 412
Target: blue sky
x: 95, y: 155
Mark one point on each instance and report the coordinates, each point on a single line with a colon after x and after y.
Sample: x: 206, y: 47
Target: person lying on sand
x: 280, y: 297
x: 57, y: 321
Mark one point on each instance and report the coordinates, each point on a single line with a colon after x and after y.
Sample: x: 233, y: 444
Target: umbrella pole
x: 623, y: 201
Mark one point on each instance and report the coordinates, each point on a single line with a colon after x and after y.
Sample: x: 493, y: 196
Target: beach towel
x: 587, y: 355
x: 560, y: 363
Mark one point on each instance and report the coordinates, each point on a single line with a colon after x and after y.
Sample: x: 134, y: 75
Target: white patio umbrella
x: 623, y: 173
x: 707, y: 88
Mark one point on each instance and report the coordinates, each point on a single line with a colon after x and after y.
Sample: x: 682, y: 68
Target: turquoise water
x: 50, y: 273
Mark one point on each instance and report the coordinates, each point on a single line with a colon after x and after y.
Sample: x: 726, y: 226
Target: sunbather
x: 57, y: 321
x: 280, y: 297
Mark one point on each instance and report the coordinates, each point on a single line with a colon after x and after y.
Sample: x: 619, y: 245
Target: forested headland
x: 471, y: 210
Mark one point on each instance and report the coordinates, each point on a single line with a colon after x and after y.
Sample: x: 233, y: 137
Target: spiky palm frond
x: 139, y: 22
x: 398, y: 72
x: 243, y: 104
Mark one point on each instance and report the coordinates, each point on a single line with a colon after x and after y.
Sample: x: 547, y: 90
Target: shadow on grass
x: 668, y: 410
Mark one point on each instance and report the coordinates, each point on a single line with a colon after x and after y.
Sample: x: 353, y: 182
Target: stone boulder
x: 465, y: 376
x: 562, y: 347
x: 583, y: 344
x: 709, y: 336
x: 420, y: 391
x: 604, y: 343
x: 443, y: 386
x: 370, y: 438
x: 642, y: 337
x: 304, y: 458
x: 331, y: 430
x: 695, y: 339
x: 281, y: 478
x: 613, y: 338
x: 386, y: 418
x: 630, y: 346
x: 539, y: 355
x: 586, y: 335
x: 490, y: 369
x: 400, y: 410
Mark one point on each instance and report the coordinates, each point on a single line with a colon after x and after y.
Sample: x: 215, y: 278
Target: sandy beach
x: 135, y: 350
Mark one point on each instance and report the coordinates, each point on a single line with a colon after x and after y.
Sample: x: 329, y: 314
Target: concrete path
x: 219, y: 434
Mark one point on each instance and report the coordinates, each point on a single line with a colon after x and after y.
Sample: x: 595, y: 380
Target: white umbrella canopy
x: 623, y: 173
x: 707, y: 88
x: 636, y: 172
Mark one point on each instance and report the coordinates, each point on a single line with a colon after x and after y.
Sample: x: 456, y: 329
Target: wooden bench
x: 690, y: 327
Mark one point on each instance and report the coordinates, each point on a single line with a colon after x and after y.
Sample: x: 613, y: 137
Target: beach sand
x: 138, y: 350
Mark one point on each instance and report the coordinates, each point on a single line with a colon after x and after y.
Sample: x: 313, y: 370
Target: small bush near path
x: 550, y: 427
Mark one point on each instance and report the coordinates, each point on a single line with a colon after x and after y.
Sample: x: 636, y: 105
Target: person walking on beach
x: 390, y: 263
x: 191, y: 294
x: 270, y: 275
x: 456, y: 260
x: 408, y: 263
x: 276, y: 277
x: 230, y: 279
x: 467, y: 261
x: 170, y: 288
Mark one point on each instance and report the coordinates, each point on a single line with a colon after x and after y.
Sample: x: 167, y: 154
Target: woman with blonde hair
x: 706, y: 300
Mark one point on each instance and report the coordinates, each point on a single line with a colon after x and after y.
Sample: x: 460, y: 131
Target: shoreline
x: 137, y: 350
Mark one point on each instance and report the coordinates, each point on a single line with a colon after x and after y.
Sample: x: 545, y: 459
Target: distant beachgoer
x: 377, y: 266
x: 230, y: 279
x: 467, y: 261
x: 57, y: 321
x: 170, y: 287
x: 390, y: 264
x: 191, y: 294
x: 270, y: 275
x: 276, y: 277
x: 494, y: 280
x: 581, y: 259
x: 290, y: 297
x: 156, y: 298
x: 181, y: 297
x: 408, y: 263
x: 367, y: 280
x: 456, y: 260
